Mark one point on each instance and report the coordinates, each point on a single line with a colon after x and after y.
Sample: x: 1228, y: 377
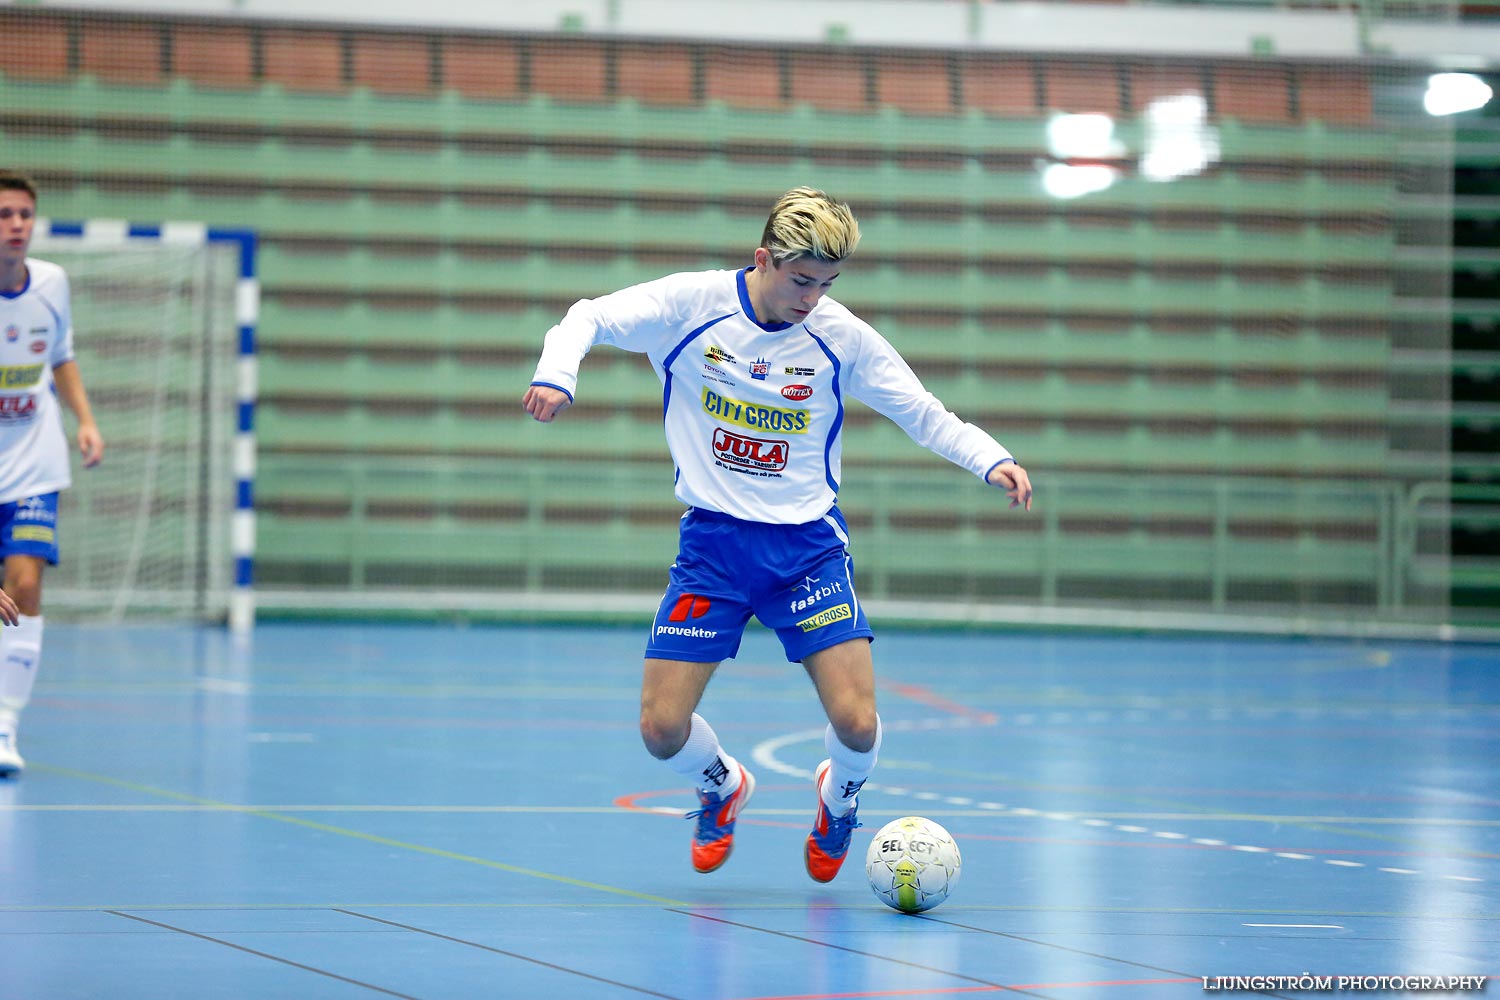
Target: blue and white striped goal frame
x: 247, y: 317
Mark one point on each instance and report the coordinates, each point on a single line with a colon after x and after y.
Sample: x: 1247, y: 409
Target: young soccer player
x: 755, y: 365
x: 36, y: 367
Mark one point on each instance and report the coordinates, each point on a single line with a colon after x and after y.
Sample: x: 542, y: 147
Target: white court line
x: 765, y: 754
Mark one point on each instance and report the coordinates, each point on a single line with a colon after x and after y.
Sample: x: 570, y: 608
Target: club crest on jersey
x: 759, y: 369
x: 752, y: 453
x: 12, y: 333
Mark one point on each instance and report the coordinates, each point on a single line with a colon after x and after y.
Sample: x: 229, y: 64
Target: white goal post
x: 164, y: 320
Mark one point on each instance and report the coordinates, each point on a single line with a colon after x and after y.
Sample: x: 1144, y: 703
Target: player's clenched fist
x: 544, y: 402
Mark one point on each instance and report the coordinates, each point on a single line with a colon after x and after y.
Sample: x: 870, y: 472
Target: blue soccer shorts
x: 798, y: 579
x: 29, y: 528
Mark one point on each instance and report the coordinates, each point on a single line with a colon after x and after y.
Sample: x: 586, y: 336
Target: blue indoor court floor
x: 443, y: 812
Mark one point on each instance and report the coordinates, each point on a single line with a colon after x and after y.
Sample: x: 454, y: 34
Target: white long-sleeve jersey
x: 753, y: 411
x: 36, y: 335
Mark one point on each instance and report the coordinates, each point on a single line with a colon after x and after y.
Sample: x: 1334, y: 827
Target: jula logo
x: 753, y: 453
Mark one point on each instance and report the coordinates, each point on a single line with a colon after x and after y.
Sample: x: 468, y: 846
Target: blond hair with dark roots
x: 14, y: 180
x: 806, y: 222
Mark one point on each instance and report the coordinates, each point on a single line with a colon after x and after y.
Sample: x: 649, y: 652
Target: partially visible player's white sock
x: 848, y: 771
x: 702, y: 759
x: 20, y: 656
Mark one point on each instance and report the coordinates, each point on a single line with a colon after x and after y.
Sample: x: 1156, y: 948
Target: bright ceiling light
x: 1061, y: 180
x: 1452, y: 93
x: 1082, y: 137
x: 1178, y: 141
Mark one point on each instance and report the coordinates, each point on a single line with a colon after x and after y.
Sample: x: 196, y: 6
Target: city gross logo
x: 753, y: 453
x: 754, y: 416
x: 797, y: 392
x: 837, y: 613
x: 12, y: 376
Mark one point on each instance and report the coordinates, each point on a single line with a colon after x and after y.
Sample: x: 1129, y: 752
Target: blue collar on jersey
x: 750, y: 310
x: 19, y: 291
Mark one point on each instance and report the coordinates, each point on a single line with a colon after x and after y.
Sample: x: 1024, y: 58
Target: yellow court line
x: 369, y: 838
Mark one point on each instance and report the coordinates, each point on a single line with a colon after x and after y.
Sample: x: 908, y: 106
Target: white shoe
x: 11, y: 763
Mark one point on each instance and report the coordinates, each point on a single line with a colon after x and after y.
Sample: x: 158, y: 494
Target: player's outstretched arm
x: 544, y: 402
x: 9, y: 613
x: 1013, y: 479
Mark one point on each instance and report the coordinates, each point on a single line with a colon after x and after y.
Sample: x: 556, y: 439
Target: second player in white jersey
x: 37, y: 369
x: 754, y: 409
x: 36, y: 335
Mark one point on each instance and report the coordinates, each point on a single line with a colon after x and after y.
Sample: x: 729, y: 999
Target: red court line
x: 632, y: 802
x: 945, y: 991
x: 932, y: 700
x: 628, y: 803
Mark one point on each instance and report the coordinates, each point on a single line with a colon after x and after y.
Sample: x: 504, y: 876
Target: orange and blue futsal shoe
x: 828, y: 844
x: 714, y: 838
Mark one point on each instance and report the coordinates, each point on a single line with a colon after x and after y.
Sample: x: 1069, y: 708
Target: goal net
x: 146, y: 533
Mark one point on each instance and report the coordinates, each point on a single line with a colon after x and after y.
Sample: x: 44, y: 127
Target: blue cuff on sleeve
x: 559, y: 388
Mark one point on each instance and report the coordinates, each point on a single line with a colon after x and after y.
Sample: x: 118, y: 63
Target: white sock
x: 20, y: 655
x: 847, y: 773
x: 702, y: 759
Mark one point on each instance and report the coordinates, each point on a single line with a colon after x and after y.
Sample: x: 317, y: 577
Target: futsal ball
x: 912, y: 864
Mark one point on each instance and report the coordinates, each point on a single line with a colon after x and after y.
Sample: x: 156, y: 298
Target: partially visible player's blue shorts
x: 798, y: 579
x: 29, y: 528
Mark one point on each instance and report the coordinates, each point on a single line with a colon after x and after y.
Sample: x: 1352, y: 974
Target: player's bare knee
x: 662, y: 737
x: 856, y: 728
x: 27, y: 593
